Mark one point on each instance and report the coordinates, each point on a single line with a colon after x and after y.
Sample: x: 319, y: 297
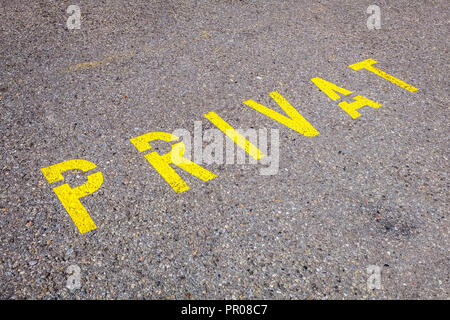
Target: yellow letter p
x: 70, y: 197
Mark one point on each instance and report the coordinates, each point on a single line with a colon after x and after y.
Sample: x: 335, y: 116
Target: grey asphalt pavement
x: 371, y: 191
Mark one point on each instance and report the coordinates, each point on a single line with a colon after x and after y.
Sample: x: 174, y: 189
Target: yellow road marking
x: 70, y: 197
x: 330, y: 90
x: 97, y: 63
x: 295, y: 121
x: 162, y: 163
x: 235, y: 136
x: 368, y: 65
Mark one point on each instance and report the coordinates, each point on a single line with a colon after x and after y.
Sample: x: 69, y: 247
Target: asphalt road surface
x: 359, y: 211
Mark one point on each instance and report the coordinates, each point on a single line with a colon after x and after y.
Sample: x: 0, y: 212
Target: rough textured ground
x: 370, y: 191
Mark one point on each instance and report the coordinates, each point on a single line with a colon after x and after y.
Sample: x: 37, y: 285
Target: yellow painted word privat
x: 166, y: 164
